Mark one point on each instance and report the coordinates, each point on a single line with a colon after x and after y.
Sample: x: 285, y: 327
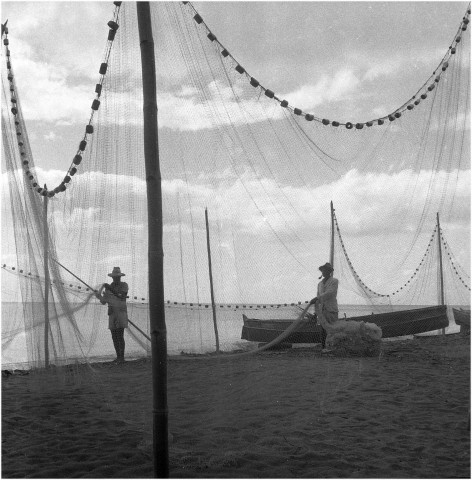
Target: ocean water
x: 190, y: 329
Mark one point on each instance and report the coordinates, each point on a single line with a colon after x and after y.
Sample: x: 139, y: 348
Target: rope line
x: 16, y: 111
x: 421, y: 94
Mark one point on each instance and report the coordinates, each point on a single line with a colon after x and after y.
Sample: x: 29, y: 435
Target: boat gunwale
x: 440, y: 309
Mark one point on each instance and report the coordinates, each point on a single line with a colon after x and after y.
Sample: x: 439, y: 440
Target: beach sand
x: 281, y: 414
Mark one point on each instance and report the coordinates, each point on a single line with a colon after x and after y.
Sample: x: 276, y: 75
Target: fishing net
x: 265, y: 170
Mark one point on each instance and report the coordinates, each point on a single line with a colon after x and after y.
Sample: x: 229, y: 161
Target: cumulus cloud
x: 50, y: 97
x: 63, y: 85
x: 364, y: 201
x: 376, y: 67
x: 51, y: 136
x: 382, y: 69
x: 37, y: 23
x: 56, y: 84
x: 189, y: 109
x: 31, y: 17
x: 256, y: 211
x: 249, y: 201
x: 327, y: 89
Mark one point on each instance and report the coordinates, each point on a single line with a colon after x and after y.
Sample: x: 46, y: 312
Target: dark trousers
x: 323, y: 337
x: 118, y: 336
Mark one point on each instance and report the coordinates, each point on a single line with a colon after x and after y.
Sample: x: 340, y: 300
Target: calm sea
x: 189, y: 329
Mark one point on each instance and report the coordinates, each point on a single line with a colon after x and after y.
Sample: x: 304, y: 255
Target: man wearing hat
x: 115, y: 295
x: 326, y: 303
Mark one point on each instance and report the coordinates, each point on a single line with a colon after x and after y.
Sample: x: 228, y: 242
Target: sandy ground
x: 286, y: 414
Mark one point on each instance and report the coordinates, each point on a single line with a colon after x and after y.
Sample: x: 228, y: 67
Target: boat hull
x: 393, y: 324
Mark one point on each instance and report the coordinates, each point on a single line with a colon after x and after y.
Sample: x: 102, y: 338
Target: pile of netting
x: 355, y: 338
x: 265, y: 170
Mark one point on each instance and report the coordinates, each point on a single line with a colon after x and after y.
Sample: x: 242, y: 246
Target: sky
x: 312, y: 52
x: 344, y: 60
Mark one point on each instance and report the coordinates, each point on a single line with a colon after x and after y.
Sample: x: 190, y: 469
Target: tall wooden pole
x: 213, y: 306
x: 331, y: 245
x: 46, y: 280
x: 155, y: 249
x: 441, y: 279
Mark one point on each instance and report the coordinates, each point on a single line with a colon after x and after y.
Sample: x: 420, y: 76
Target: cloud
x: 28, y: 16
x: 258, y: 214
x: 381, y: 69
x: 187, y: 109
x: 254, y: 205
x: 190, y: 109
x: 37, y: 23
x: 457, y: 123
x: 51, y: 136
x: 56, y: 83
x: 327, y: 89
x: 372, y: 68
x: 50, y: 97
x: 250, y: 203
x: 64, y: 80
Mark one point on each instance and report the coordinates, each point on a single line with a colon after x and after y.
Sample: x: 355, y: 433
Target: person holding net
x: 115, y: 295
x: 326, y: 303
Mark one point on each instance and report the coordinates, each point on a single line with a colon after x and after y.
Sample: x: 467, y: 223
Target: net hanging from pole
x: 265, y: 172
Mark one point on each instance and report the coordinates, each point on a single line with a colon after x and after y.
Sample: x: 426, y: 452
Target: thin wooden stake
x: 213, y: 306
x: 331, y: 246
x: 441, y: 280
x: 46, y: 281
x: 155, y: 248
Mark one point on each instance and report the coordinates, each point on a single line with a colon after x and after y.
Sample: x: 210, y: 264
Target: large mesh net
x: 266, y: 173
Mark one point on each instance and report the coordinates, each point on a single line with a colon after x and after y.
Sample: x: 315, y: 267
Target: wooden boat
x: 462, y: 318
x: 393, y: 324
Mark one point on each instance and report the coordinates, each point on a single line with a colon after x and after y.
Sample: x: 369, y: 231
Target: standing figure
x: 115, y: 295
x: 326, y: 303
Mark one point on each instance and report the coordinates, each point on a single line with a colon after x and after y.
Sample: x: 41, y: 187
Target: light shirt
x: 116, y: 296
x: 327, y: 291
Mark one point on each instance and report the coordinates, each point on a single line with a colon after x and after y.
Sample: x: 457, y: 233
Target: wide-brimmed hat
x: 116, y: 272
x: 327, y: 267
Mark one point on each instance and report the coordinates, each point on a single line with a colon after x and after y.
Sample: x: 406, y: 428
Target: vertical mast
x: 46, y: 280
x: 440, y: 266
x: 155, y: 248
x: 331, y: 245
x: 213, y: 306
